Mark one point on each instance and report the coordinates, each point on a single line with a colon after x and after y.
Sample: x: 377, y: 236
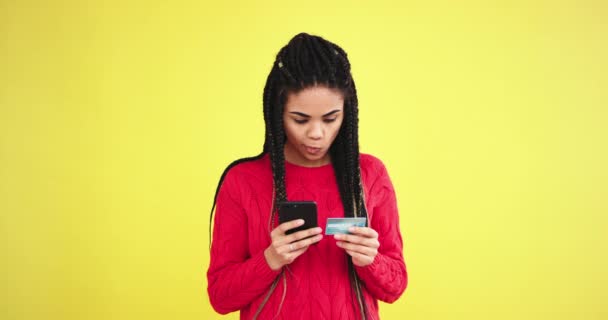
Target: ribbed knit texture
x: 318, y: 285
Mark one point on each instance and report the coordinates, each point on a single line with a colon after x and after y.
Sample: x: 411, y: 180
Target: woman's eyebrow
x: 300, y: 114
x: 307, y: 116
x: 332, y: 112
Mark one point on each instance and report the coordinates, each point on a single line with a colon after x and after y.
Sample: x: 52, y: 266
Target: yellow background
x: 118, y: 117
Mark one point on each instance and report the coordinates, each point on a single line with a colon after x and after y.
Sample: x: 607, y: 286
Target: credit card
x: 341, y: 225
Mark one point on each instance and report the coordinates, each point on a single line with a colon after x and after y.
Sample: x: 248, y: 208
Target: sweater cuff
x: 369, y: 270
x: 261, y: 267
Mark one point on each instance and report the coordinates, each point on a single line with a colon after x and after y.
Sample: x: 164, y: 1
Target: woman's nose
x: 316, y: 131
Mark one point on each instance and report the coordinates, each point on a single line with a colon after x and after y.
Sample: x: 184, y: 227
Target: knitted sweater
x: 316, y: 284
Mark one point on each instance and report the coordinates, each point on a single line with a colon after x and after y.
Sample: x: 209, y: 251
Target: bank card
x: 341, y: 225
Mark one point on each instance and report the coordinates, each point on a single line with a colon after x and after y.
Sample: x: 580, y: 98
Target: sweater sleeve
x: 235, y: 278
x: 386, y: 277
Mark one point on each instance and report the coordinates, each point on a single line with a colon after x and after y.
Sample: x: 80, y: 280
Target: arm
x: 234, y: 277
x: 386, y: 277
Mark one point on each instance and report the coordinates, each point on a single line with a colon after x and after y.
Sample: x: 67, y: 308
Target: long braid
x: 355, y: 198
x: 304, y: 62
x: 351, y: 200
x: 360, y: 192
x: 274, y: 140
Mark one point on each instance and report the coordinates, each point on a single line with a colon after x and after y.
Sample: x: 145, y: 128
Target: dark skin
x: 284, y: 249
x: 362, y: 244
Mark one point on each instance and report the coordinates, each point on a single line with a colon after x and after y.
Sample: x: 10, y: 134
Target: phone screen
x: 292, y: 210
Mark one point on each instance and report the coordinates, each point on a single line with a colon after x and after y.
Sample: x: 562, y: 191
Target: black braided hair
x: 307, y: 61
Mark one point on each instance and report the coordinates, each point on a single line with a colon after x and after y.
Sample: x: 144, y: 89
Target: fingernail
x: 352, y: 229
x: 300, y: 222
x: 337, y: 236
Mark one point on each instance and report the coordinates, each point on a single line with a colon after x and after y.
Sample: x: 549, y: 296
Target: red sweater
x: 318, y: 285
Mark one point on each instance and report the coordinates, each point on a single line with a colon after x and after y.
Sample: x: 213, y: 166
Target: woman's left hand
x: 362, y: 245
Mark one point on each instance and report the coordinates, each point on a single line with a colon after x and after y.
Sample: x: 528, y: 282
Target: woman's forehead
x: 318, y: 99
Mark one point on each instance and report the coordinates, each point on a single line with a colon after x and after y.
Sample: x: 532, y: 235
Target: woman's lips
x: 312, y: 150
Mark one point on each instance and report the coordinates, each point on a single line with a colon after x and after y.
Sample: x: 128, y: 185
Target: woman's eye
x: 300, y: 121
x: 329, y: 120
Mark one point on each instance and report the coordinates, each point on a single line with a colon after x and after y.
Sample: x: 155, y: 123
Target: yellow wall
x: 117, y: 118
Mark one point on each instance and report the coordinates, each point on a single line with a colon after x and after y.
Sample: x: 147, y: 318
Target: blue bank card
x: 341, y: 225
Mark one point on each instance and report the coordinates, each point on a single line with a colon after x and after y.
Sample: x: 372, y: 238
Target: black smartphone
x: 292, y: 210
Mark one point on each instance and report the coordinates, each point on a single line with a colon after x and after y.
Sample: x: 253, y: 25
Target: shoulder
x: 372, y: 169
x: 371, y: 164
x: 248, y: 170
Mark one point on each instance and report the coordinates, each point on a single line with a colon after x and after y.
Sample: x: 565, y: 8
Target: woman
x: 311, y: 152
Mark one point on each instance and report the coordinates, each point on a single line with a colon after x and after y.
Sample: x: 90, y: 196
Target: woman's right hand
x: 284, y: 249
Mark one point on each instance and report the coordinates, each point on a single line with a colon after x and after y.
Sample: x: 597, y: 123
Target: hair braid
x: 360, y: 192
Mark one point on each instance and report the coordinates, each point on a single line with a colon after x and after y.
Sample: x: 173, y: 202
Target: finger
x: 289, y: 256
x: 283, y: 227
x: 364, y: 231
x: 286, y: 249
x: 301, y: 235
x: 295, y: 254
x: 372, y: 252
x: 291, y: 246
x: 363, y: 259
x: 356, y: 239
x: 309, y: 241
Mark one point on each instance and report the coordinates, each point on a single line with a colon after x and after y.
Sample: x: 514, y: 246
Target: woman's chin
x: 317, y: 159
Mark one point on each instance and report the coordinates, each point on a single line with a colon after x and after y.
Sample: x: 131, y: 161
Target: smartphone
x: 292, y: 210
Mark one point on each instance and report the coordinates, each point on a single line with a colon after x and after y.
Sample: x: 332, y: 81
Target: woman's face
x: 312, y: 120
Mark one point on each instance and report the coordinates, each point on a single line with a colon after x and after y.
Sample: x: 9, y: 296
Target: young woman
x: 311, y: 153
